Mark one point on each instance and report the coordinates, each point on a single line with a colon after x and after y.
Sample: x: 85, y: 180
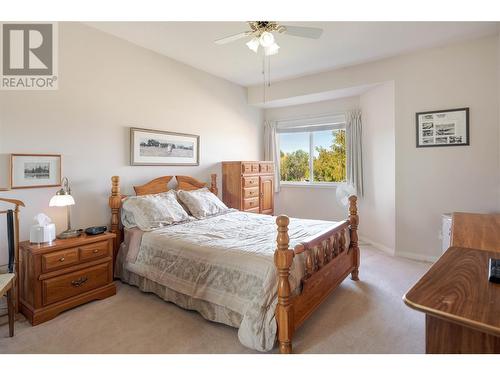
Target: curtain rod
x: 312, y: 117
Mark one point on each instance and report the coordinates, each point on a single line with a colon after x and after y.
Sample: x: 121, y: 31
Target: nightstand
x: 63, y: 274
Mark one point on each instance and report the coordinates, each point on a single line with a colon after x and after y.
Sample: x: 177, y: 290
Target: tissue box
x: 42, y: 233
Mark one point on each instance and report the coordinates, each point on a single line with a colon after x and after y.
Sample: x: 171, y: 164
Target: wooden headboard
x: 158, y: 185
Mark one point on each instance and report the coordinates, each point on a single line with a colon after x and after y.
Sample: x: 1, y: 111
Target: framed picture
x: 34, y: 170
x: 443, y: 128
x: 157, y: 147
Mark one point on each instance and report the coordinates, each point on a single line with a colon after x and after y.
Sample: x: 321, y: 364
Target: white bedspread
x: 227, y: 260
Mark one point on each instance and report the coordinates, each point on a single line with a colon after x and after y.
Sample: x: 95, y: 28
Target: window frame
x: 336, y: 122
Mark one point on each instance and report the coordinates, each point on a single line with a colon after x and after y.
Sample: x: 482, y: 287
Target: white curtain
x: 271, y: 150
x: 354, y: 151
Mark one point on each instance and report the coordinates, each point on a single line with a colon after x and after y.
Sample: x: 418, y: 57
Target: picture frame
x: 159, y: 147
x: 448, y: 127
x: 35, y: 170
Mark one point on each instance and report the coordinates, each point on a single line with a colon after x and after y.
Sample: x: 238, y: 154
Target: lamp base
x: 69, y: 233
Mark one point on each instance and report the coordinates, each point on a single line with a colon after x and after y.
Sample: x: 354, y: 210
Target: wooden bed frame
x: 328, y: 262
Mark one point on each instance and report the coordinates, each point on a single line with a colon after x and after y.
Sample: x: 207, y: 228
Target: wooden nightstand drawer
x: 61, y: 287
x: 94, y: 250
x: 59, y: 259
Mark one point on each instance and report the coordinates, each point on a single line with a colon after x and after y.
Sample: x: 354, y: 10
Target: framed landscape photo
x: 443, y: 128
x: 157, y: 147
x: 35, y: 170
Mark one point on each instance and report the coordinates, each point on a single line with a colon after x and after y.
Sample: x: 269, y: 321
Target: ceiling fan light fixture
x: 273, y: 49
x: 266, y: 39
x: 253, y: 44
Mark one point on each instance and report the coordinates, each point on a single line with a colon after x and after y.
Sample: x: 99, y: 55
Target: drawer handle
x: 61, y: 259
x: 79, y: 282
x: 96, y: 251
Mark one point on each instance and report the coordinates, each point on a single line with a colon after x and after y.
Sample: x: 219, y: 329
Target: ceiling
x: 342, y: 44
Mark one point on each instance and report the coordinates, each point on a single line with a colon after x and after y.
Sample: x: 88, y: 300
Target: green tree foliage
x: 328, y: 166
x: 295, y: 166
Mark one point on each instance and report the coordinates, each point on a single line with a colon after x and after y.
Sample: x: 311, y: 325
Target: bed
x: 261, y: 274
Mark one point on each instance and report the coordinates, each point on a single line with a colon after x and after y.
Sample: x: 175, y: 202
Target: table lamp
x: 63, y: 198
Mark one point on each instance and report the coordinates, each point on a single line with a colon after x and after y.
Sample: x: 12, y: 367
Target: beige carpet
x: 359, y: 317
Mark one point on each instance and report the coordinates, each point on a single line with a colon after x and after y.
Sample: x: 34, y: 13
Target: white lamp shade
x: 266, y: 39
x: 61, y: 201
x: 253, y: 44
x: 273, y: 49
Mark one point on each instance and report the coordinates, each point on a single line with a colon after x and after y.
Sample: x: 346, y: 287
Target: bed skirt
x: 209, y: 311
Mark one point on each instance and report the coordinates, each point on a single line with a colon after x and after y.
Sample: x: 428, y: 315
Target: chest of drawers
x: 64, y: 274
x: 248, y: 186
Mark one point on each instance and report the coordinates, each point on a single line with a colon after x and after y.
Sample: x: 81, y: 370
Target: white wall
x: 435, y: 180
x: 378, y: 205
x: 107, y: 85
x: 297, y: 201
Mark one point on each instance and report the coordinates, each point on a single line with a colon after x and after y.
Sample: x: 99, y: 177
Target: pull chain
x: 266, y: 78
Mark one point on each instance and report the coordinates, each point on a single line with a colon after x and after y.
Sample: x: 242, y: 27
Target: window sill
x: 325, y: 185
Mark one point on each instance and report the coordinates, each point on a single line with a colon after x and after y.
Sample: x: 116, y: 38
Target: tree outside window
x: 328, y: 151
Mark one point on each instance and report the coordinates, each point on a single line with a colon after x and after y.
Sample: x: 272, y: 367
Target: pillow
x: 152, y: 211
x: 202, y: 202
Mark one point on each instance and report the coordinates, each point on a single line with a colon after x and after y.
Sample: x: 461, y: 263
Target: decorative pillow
x: 202, y: 202
x: 148, y: 212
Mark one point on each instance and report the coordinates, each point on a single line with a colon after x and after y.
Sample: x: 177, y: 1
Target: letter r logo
x: 27, y: 49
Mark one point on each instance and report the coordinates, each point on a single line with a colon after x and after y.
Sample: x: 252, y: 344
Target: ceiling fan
x: 262, y: 35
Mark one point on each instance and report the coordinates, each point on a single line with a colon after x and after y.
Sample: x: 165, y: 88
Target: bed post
x: 115, y: 202
x: 354, y: 220
x: 283, y: 257
x: 213, y: 184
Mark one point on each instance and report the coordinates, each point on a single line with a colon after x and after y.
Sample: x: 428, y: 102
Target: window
x: 313, y: 154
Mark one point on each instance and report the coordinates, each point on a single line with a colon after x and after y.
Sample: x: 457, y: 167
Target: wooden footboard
x: 328, y: 262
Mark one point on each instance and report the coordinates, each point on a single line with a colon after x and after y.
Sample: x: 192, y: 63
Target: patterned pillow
x: 148, y: 212
x: 202, y: 202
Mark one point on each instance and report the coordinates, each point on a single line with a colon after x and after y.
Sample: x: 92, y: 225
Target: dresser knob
x: 96, y: 251
x: 61, y: 259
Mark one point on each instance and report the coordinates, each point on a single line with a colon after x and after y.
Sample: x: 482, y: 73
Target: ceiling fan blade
x: 232, y: 38
x: 304, y: 32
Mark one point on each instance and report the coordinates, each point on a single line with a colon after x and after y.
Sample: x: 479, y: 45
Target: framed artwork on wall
x: 157, y: 147
x: 443, y: 128
x: 35, y: 170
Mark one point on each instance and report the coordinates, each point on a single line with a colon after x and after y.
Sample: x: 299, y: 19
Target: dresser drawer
x: 250, y: 181
x: 61, y: 287
x: 252, y: 192
x: 94, y: 250
x: 247, y: 168
x: 250, y: 203
x: 264, y: 168
x: 59, y: 259
x: 253, y: 210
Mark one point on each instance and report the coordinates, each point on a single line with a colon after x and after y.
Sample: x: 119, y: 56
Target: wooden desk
x: 462, y: 307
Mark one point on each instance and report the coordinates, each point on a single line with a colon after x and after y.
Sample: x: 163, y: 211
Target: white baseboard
x: 377, y: 245
x: 415, y: 256
x: 388, y: 250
